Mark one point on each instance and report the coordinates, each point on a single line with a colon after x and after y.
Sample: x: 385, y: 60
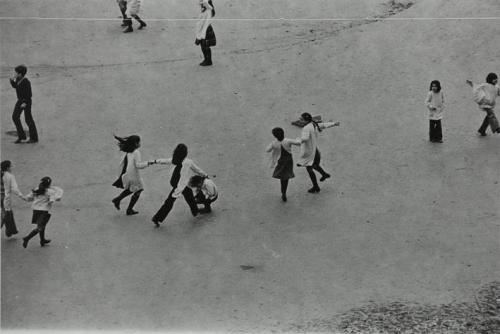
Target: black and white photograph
x: 250, y: 166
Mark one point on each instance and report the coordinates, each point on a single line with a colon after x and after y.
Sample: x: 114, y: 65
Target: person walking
x: 485, y: 95
x: 122, y: 4
x: 435, y: 105
x: 310, y: 157
x: 42, y: 197
x: 133, y: 7
x: 183, y: 169
x: 282, y: 160
x: 205, y: 35
x: 23, y: 90
x: 130, y: 180
x: 9, y: 187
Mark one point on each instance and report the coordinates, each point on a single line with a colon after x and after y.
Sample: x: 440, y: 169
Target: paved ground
x: 401, y: 219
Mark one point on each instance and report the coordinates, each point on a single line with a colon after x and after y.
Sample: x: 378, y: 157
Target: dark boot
x: 27, y: 238
x: 133, y: 200
x: 128, y: 22
x: 142, y: 24
x: 43, y: 241
x: 116, y: 201
x: 315, y: 188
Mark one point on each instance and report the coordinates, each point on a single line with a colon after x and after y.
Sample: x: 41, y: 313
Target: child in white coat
x: 435, y: 105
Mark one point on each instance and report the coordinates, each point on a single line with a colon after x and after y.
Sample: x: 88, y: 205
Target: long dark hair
x: 435, y: 83
x: 213, y: 7
x: 180, y: 153
x: 128, y: 144
x: 43, y: 186
x: 5, y: 165
x: 308, y: 118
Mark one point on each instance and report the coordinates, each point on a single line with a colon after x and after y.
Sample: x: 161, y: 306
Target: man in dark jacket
x: 23, y: 91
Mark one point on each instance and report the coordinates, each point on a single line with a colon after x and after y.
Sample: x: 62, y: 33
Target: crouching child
x: 205, y: 192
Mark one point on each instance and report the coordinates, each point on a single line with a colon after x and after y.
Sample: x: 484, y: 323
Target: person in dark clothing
x: 122, y: 4
x: 181, y: 174
x: 23, y: 91
x: 205, y: 35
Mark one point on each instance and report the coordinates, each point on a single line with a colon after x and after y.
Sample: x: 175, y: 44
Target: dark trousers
x: 435, y: 131
x: 128, y: 20
x: 16, y: 117
x: 123, y: 9
x: 490, y: 120
x: 169, y: 203
x: 207, y: 52
x: 9, y: 222
x: 201, y: 199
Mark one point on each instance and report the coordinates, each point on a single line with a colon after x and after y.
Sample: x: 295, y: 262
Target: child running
x: 184, y: 168
x: 485, y: 96
x: 282, y: 160
x: 130, y: 179
x: 205, y: 192
x: 435, y: 104
x: 42, y: 197
x: 133, y: 7
x: 9, y: 186
x: 310, y: 156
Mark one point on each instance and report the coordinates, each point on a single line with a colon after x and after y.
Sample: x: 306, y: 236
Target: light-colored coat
x: 188, y: 169
x: 309, y: 138
x: 275, y: 149
x: 204, y: 21
x: 132, y: 179
x: 10, y: 186
x: 435, y: 104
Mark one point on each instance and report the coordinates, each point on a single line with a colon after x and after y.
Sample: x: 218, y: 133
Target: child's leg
x: 27, y: 238
x: 164, y: 210
x: 284, y: 186
x: 16, y: 118
x: 189, y: 197
x: 42, y: 223
x: 116, y: 200
x: 10, y: 224
x: 431, y: 130
x: 141, y: 22
x: 439, y: 131
x: 133, y: 200
x: 484, y: 126
x: 314, y: 181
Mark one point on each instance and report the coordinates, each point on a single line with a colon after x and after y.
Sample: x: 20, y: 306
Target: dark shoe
x: 482, y: 133
x: 324, y: 177
x: 25, y: 242
x: 116, y: 202
x: 206, y: 63
x: 439, y: 141
x: 124, y: 24
x: 314, y: 190
x: 32, y: 141
x: 44, y: 242
x: 19, y: 141
x: 143, y: 24
x: 283, y: 198
x: 131, y: 212
x: 129, y: 29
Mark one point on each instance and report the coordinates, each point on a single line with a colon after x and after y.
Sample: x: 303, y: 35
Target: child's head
x: 278, y: 133
x: 21, y: 70
x: 6, y: 165
x: 196, y: 181
x: 43, y: 186
x: 129, y: 144
x: 306, y: 117
x: 435, y: 86
x: 179, y: 154
x: 492, y: 78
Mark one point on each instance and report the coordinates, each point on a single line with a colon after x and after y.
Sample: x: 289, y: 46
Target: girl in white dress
x: 310, y: 156
x: 130, y: 179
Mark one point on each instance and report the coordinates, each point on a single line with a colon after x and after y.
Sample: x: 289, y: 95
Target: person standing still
x: 23, y: 90
x: 435, y: 104
x: 205, y: 35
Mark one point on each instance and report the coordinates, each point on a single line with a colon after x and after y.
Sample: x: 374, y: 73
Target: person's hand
x: 336, y: 124
x: 468, y: 82
x: 23, y: 105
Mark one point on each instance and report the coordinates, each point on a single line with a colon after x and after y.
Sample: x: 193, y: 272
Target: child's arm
x: 15, y: 188
x: 296, y: 142
x: 428, y: 101
x: 270, y: 147
x: 30, y: 197
x: 13, y: 83
x: 138, y: 163
x: 162, y: 161
x: 325, y: 125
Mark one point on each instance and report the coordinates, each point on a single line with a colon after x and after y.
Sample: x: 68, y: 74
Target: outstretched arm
x: 325, y: 125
